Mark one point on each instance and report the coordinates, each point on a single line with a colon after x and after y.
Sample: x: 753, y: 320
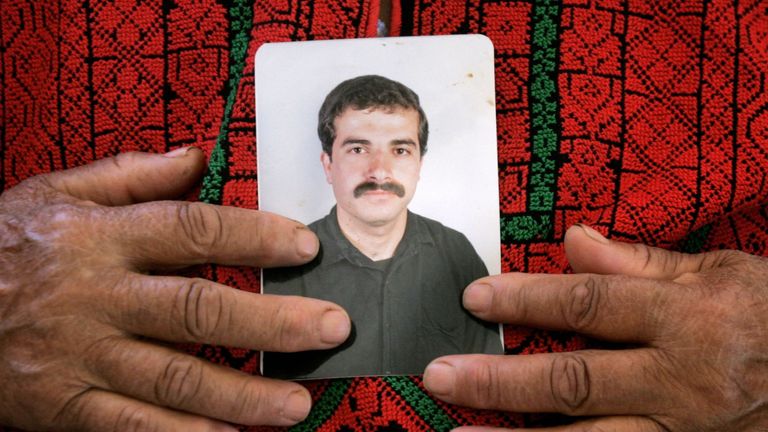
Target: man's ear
x: 325, y: 159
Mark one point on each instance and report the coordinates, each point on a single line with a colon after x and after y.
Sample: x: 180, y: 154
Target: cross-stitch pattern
x: 645, y: 119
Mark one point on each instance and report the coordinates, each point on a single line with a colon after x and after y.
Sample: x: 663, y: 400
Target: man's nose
x: 379, y: 166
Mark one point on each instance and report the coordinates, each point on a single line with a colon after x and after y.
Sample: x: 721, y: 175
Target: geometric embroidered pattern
x: 645, y: 120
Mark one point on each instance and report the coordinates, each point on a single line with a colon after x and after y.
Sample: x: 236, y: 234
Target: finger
x: 172, y: 233
x: 196, y: 310
x: 132, y: 177
x: 579, y: 383
x: 613, y: 424
x: 182, y: 382
x: 97, y: 410
x: 589, y: 252
x: 616, y: 308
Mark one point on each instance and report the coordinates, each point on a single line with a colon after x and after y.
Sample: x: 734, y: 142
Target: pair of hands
x: 79, y: 318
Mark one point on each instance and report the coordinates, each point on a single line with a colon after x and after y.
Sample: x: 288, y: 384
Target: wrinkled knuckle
x: 75, y: 412
x: 484, y: 377
x: 103, y: 351
x: 289, y: 327
x: 660, y: 427
x: 34, y: 182
x: 656, y: 260
x: 672, y: 262
x: 202, y: 225
x: 179, y: 382
x: 32, y: 193
x: 71, y: 226
x: 569, y: 384
x: 252, y: 402
x: 580, y: 307
x: 201, y: 310
x: 33, y: 187
x: 513, y: 300
x: 134, y: 419
x: 642, y: 254
x: 729, y: 256
x: 64, y: 219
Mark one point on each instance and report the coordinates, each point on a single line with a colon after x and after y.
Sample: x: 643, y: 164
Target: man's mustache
x: 395, y: 188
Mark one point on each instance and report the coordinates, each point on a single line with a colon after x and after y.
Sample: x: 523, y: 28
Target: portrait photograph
x: 386, y: 150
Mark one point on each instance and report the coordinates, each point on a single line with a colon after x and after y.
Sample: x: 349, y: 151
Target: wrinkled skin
x: 83, y: 326
x: 696, y: 326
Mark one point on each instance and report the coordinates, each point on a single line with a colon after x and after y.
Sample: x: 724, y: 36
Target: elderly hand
x: 79, y: 316
x: 697, y: 325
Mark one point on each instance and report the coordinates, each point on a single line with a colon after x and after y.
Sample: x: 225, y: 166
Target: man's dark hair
x: 363, y: 92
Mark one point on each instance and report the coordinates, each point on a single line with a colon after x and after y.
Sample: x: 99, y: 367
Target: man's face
x: 375, y: 163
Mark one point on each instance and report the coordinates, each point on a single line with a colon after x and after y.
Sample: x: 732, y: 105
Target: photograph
x: 386, y: 150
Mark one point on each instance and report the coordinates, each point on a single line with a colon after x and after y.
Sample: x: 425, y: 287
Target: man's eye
x: 357, y: 150
x: 401, y: 151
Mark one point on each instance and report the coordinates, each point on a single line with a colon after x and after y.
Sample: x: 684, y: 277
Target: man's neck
x: 376, y: 242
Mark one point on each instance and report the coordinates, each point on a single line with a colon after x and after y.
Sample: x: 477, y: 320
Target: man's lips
x: 373, y: 188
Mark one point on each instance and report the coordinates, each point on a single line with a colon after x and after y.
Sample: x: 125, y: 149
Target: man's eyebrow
x: 404, y: 141
x: 352, y: 141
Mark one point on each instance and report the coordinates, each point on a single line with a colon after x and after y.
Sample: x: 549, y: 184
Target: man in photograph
x: 400, y: 276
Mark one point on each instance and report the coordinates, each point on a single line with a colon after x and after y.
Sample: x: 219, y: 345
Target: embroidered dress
x: 647, y: 120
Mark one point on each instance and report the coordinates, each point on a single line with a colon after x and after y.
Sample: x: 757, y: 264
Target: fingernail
x: 297, y: 406
x: 306, y: 242
x: 478, y: 298
x: 593, y: 234
x: 334, y: 327
x: 179, y: 152
x: 440, y: 378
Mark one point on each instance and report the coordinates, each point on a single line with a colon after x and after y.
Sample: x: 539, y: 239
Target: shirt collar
x: 336, y: 246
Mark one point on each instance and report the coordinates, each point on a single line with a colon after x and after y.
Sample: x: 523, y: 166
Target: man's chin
x: 378, y: 222
x: 379, y: 219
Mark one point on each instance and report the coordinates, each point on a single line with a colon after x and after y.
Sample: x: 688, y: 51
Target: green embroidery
x: 213, y: 182
x: 425, y: 407
x: 694, y: 242
x: 523, y: 228
x: 543, y: 97
x: 241, y: 21
x: 325, y: 407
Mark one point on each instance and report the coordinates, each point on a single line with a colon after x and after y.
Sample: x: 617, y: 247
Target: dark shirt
x: 406, y: 310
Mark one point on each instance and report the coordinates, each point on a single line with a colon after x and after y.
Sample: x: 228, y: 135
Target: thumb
x: 129, y: 178
x: 589, y: 252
